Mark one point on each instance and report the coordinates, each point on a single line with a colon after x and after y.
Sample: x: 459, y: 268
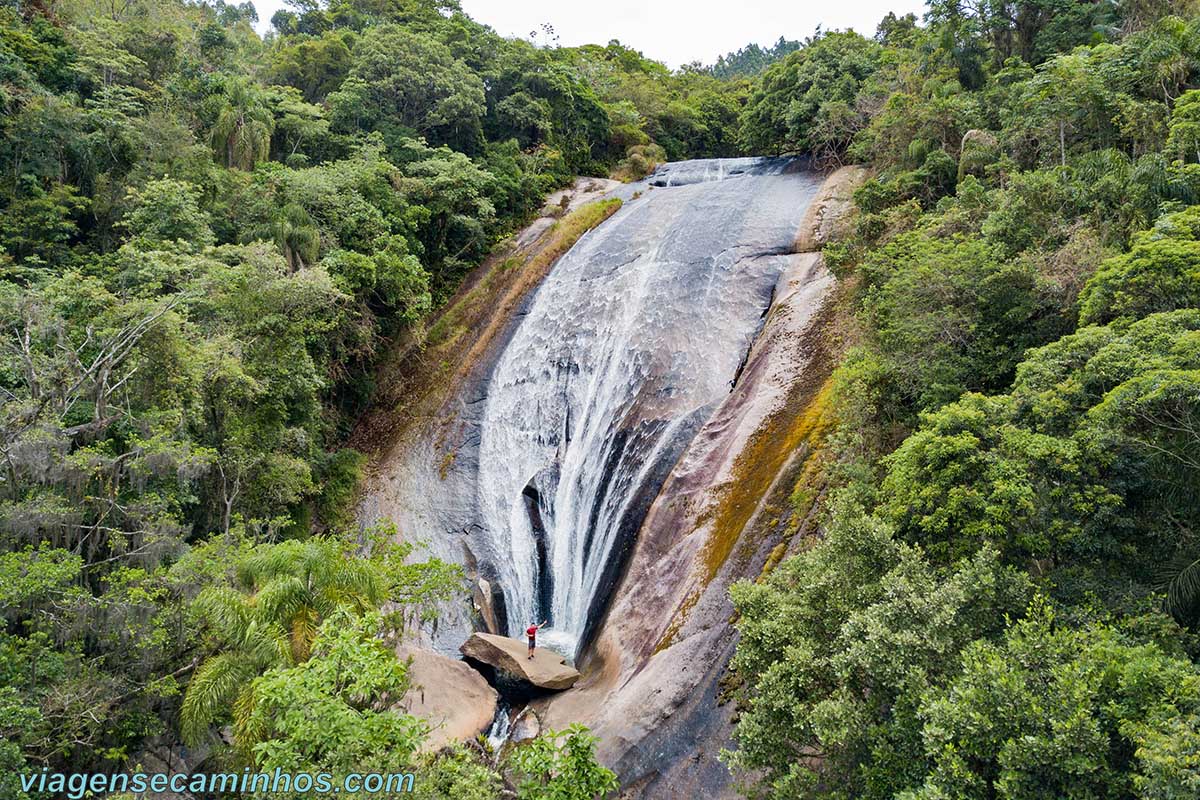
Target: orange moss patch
x: 565, y: 233
x: 427, y: 364
x: 776, y: 555
x: 801, y: 424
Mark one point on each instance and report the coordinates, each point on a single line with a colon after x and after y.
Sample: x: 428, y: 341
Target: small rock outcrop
x: 525, y: 727
x: 164, y: 755
x: 827, y: 217
x: 454, y: 699
x: 546, y: 670
x: 485, y: 605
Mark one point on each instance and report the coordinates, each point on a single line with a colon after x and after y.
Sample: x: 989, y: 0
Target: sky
x: 673, y: 31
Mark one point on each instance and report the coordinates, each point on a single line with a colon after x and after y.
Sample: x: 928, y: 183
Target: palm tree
x: 270, y: 620
x: 297, y: 237
x: 241, y: 135
x: 249, y: 647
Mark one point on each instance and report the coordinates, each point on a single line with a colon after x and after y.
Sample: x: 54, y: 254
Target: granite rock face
x: 546, y: 670
x: 625, y: 450
x: 651, y: 690
x: 454, y: 699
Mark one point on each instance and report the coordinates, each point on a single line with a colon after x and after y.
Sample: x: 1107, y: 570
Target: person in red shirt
x: 531, y: 632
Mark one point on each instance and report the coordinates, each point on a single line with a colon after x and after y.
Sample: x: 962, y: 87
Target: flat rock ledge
x: 547, y: 670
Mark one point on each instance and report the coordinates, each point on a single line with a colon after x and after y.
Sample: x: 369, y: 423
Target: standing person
x: 531, y: 632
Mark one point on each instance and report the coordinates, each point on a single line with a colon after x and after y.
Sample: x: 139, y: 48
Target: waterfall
x: 627, y: 346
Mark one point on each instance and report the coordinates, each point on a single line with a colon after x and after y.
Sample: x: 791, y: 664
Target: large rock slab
x: 454, y: 699
x: 546, y: 670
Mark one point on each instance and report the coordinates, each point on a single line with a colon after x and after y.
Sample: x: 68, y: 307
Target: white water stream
x: 628, y: 345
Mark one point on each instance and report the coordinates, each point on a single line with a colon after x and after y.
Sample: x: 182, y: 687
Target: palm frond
x: 281, y: 598
x: 248, y: 729
x: 1182, y: 585
x: 211, y: 693
x: 226, y: 611
x: 303, y: 632
x: 268, y: 644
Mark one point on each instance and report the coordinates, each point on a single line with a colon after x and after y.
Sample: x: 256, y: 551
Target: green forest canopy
x: 207, y: 237
x: 1005, y: 598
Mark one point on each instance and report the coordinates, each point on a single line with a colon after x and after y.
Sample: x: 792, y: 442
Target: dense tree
x: 1161, y: 272
x: 167, y: 211
x: 969, y: 313
x: 841, y: 644
x: 1184, y: 139
x: 813, y: 86
x: 402, y: 84
x: 1019, y: 409
x: 1053, y: 712
x: 286, y: 591
x: 39, y: 226
x: 314, y: 65
x: 561, y: 764
x: 753, y: 59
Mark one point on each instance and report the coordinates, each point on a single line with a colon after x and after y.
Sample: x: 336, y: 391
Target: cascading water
x: 628, y: 345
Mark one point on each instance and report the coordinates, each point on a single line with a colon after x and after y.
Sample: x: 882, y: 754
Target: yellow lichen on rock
x: 798, y: 429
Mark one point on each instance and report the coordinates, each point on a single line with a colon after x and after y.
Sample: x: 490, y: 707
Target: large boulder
x: 546, y: 670
x: 454, y: 699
